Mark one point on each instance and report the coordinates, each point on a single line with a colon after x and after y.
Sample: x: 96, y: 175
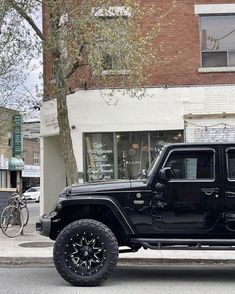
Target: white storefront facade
x: 116, y: 137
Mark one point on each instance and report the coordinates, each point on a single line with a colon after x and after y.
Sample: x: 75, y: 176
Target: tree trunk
x: 66, y: 140
x: 58, y: 34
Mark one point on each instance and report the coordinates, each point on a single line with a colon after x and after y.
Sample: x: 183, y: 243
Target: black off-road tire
x: 76, y: 243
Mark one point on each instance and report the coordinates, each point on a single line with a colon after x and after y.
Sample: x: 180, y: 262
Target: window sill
x: 111, y: 72
x: 216, y: 69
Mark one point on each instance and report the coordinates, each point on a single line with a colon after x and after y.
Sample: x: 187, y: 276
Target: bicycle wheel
x: 25, y: 215
x: 11, y: 221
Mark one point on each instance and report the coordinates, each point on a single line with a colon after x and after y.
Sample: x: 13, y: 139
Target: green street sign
x: 17, y: 135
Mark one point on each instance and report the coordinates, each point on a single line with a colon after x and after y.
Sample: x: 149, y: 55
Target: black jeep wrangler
x: 186, y: 199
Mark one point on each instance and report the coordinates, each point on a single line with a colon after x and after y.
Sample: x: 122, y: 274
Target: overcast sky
x: 33, y: 79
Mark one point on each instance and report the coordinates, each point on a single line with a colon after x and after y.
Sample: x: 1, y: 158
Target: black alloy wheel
x: 85, y: 253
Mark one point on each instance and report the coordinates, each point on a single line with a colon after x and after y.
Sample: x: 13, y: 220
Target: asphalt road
x: 128, y: 280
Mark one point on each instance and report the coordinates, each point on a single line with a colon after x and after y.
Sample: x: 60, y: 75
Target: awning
x: 15, y: 163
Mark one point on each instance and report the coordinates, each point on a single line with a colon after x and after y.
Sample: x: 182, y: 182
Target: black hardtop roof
x: 203, y: 144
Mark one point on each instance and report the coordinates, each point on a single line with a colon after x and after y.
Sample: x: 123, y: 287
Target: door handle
x: 210, y: 191
x: 230, y: 194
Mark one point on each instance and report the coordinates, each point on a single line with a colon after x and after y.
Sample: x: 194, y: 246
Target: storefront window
x: 133, y: 153
x: 99, y: 156
x: 123, y: 155
x: 159, y: 139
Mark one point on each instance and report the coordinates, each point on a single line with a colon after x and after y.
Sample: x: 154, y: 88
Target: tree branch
x: 76, y: 64
x: 30, y: 21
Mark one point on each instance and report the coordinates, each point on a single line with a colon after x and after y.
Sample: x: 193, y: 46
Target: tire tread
x: 93, y: 280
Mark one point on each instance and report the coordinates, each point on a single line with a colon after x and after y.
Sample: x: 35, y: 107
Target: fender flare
x: 109, y: 202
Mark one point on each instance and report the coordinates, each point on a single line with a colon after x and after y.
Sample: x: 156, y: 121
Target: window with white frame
x: 217, y: 40
x: 112, y: 26
x: 36, y: 158
x: 217, y: 36
x: 113, y: 52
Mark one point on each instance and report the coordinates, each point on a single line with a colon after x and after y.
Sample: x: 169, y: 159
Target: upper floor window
x: 217, y: 33
x: 111, y: 38
x: 36, y: 158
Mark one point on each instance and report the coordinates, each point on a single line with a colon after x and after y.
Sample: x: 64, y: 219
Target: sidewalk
x: 31, y: 248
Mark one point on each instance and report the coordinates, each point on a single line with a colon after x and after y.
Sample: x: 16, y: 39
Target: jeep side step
x: 183, y: 244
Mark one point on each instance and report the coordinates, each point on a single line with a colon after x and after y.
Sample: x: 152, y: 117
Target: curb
x: 39, y: 261
x: 48, y: 261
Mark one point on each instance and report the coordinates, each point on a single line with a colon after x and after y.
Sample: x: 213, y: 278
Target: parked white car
x: 32, y: 194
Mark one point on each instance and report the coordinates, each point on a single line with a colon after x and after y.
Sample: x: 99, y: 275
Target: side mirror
x: 166, y: 174
x: 143, y: 173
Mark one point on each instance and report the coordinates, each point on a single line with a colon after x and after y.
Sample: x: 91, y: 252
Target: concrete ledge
x: 37, y: 261
x: 26, y: 261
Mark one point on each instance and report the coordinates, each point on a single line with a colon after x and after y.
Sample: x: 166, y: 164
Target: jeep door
x: 190, y: 200
x: 229, y: 180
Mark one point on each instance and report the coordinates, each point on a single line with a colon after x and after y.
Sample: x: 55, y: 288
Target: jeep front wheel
x: 85, y: 253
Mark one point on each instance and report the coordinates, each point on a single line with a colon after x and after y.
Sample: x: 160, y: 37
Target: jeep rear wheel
x: 85, y: 253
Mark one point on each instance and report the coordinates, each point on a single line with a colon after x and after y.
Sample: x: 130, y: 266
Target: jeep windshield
x: 155, y: 161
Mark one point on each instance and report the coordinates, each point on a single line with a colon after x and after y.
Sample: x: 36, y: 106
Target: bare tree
x: 17, y: 48
x: 102, y: 42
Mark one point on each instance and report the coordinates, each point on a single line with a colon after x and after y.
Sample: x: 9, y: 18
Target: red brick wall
x: 181, y: 41
x: 31, y: 146
x: 180, y: 37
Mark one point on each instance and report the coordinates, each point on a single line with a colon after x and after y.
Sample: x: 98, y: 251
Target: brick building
x: 191, y: 98
x: 31, y: 154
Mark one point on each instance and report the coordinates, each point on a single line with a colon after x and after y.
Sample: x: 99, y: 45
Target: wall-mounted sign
x: 31, y: 171
x: 3, y: 162
x: 17, y: 135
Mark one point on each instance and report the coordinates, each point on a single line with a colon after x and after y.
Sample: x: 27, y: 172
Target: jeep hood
x: 103, y: 186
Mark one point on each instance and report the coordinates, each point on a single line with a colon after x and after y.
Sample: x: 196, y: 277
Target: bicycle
x: 14, y: 217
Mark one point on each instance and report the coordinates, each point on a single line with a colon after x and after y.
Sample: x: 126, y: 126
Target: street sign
x: 17, y: 135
